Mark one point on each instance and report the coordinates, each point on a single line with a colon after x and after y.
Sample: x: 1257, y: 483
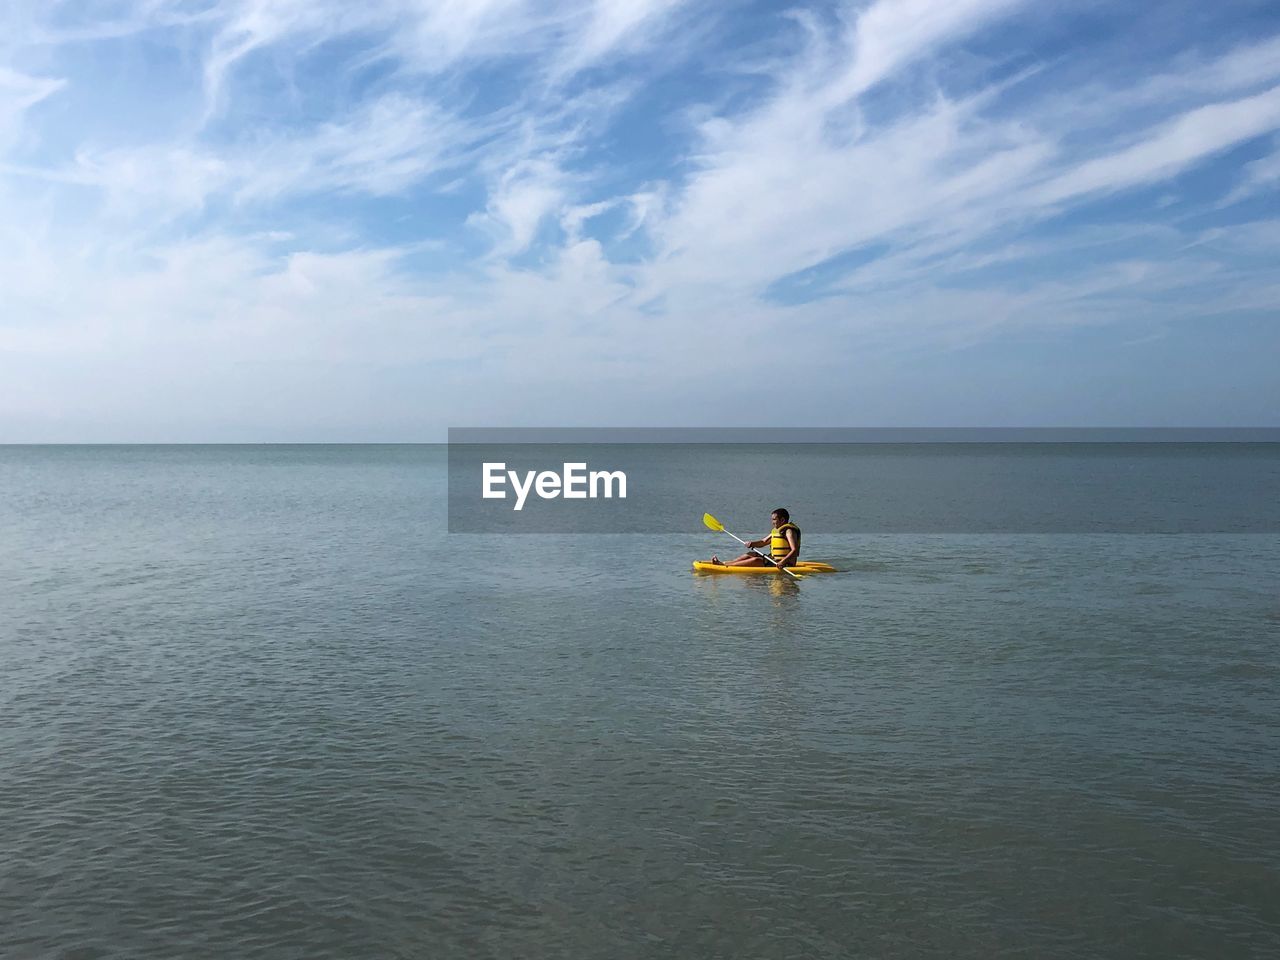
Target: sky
x: 312, y: 220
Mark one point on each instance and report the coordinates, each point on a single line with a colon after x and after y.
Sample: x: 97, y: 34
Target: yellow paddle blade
x: 712, y: 522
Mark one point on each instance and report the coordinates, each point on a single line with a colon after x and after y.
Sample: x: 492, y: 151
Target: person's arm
x: 793, y: 552
x: 751, y: 544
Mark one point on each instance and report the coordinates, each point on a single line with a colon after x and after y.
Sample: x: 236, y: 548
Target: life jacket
x: 778, y: 545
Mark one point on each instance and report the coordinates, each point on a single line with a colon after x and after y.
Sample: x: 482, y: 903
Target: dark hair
x: 782, y: 512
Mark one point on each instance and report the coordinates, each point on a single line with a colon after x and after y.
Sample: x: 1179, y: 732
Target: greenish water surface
x: 256, y: 703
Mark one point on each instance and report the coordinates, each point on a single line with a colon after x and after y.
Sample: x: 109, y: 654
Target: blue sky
x: 313, y: 220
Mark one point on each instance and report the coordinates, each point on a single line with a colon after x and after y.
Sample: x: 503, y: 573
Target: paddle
x: 714, y: 524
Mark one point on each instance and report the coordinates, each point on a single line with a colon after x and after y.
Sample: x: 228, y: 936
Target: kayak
x: 804, y: 566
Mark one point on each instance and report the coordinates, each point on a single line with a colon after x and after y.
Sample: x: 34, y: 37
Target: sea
x: 259, y: 702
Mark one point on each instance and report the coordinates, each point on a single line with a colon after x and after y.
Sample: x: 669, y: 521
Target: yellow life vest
x: 779, y: 547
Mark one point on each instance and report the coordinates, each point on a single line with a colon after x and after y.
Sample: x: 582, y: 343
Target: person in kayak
x: 783, y: 543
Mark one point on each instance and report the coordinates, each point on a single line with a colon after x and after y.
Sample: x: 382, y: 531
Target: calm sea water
x: 256, y: 703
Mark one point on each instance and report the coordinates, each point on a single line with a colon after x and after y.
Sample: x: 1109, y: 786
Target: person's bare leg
x: 748, y: 560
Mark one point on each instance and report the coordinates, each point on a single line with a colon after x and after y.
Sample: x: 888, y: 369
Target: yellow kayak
x: 804, y: 566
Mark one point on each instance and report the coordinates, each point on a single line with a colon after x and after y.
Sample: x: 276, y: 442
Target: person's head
x: 780, y: 516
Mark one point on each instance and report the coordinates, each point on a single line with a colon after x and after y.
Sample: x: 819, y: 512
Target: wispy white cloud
x: 246, y: 26
x: 18, y: 93
x: 890, y: 34
x: 1171, y: 148
x: 1259, y: 176
x: 1192, y: 80
x: 437, y: 37
x: 523, y: 198
x: 385, y: 145
x: 610, y: 26
x: 381, y: 149
x: 801, y: 178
